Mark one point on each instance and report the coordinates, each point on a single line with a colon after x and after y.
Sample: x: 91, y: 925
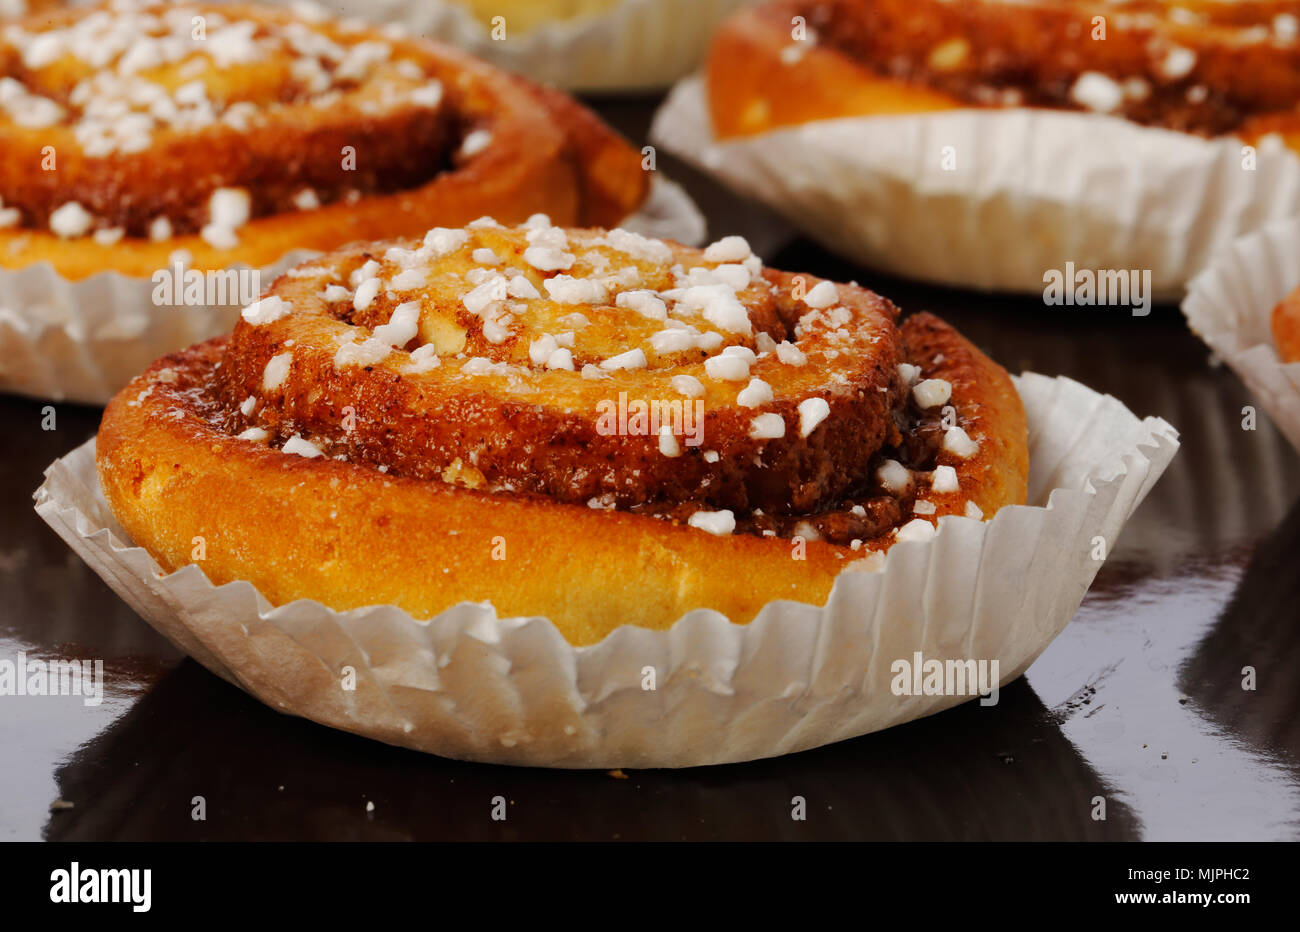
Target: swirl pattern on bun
x: 237, y: 133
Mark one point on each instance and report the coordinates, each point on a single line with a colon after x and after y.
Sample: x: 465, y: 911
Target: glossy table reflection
x: 1139, y: 701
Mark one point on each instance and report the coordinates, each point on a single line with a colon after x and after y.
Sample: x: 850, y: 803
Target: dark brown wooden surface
x: 1139, y: 701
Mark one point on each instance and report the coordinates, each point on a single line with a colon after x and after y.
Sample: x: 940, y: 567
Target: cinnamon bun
x: 591, y: 426
x: 1206, y: 67
x: 236, y: 133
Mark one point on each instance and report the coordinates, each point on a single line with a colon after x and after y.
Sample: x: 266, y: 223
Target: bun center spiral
x: 152, y: 111
x: 591, y: 367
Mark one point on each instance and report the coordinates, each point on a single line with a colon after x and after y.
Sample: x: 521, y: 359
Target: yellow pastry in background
x: 526, y: 15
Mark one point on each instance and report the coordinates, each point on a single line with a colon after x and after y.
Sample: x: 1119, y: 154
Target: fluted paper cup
x: 1230, y: 307
x: 83, y: 340
x: 467, y: 684
x: 637, y: 45
x: 1028, y: 191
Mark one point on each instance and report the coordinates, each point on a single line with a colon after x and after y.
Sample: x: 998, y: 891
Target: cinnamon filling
x: 868, y: 510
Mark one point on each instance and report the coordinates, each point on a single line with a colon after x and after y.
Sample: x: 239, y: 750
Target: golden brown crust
x: 360, y: 529
x: 347, y: 536
x: 544, y: 153
x: 1286, y: 327
x: 752, y: 90
x: 1210, y: 68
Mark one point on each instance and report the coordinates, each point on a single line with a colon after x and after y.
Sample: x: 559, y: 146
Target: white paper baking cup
x: 82, y: 341
x: 469, y: 685
x: 1031, y: 190
x: 1230, y: 307
x: 639, y: 45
